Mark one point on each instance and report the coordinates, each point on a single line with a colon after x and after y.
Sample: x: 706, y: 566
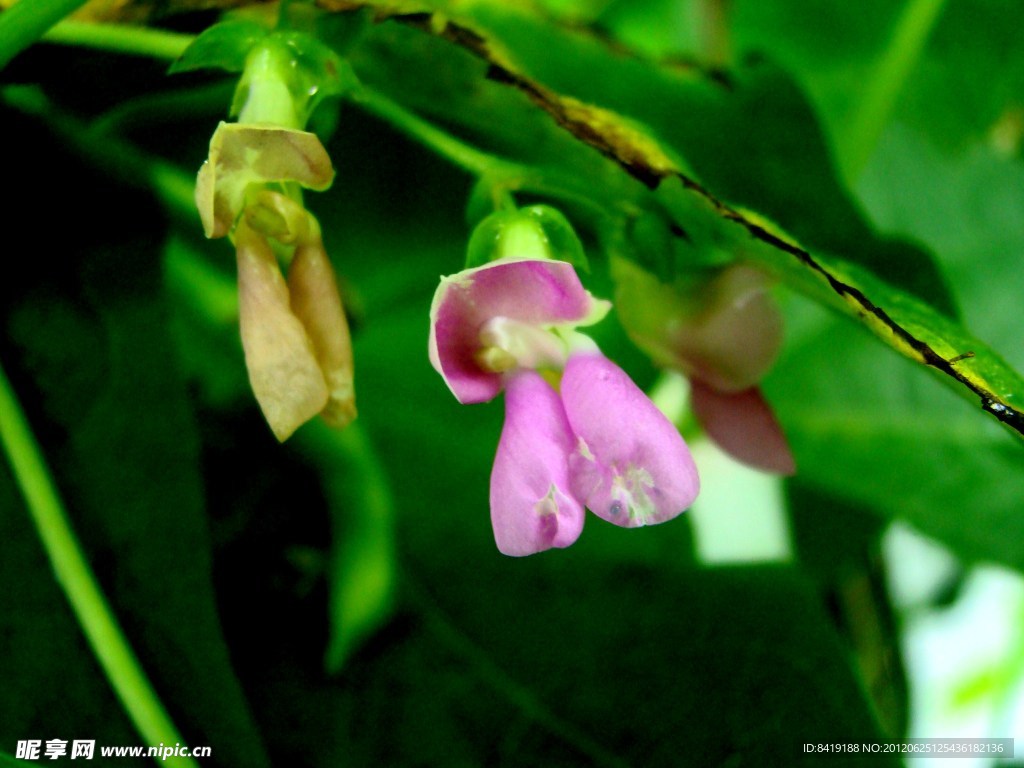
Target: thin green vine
x: 78, y: 582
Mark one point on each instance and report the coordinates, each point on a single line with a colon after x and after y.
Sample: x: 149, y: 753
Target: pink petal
x: 631, y: 466
x: 532, y: 507
x: 744, y: 426
x: 532, y: 291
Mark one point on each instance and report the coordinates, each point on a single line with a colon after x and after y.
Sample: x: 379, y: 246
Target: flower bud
x: 725, y: 331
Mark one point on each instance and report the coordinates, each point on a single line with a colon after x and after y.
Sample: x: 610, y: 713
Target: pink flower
x: 599, y: 442
x: 724, y: 335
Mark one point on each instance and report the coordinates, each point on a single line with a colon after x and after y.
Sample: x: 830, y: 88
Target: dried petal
x: 315, y: 301
x: 532, y: 507
x: 630, y: 466
x: 283, y: 368
x: 743, y: 424
x: 242, y: 154
x: 535, y: 292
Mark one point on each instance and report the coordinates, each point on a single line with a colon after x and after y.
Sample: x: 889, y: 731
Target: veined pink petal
x: 532, y: 506
x: 532, y: 291
x: 630, y: 466
x: 744, y: 426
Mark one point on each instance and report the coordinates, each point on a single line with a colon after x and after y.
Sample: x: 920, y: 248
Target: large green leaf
x: 908, y: 325
x: 614, y: 652
x: 91, y: 357
x: 871, y: 429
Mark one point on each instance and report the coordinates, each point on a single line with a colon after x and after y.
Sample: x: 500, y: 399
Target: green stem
x: 886, y: 82
x: 115, y: 156
x: 503, y: 174
x: 121, y: 38
x: 76, y: 578
x: 466, y: 157
x: 23, y: 23
x: 506, y: 176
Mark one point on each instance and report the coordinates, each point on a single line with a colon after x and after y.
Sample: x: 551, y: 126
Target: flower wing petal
x: 531, y: 291
x: 283, y: 368
x: 316, y: 302
x: 631, y: 465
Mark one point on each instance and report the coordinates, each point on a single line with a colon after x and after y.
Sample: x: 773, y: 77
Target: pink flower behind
x: 743, y: 424
x: 532, y: 506
x: 631, y: 466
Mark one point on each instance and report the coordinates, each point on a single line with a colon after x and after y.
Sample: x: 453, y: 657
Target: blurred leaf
x: 971, y: 71
x: 361, y: 575
x: 89, y: 352
x: 839, y: 542
x: 966, y: 204
x: 832, y: 537
x: 54, y: 688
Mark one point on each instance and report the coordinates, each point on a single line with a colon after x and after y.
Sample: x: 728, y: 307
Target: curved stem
x: 432, y: 137
x: 121, y: 38
x: 76, y: 578
x: 507, y: 176
x: 23, y: 23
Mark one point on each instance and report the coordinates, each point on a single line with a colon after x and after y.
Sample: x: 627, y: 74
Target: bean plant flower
x: 723, y: 333
x: 294, y: 332
x: 578, y: 432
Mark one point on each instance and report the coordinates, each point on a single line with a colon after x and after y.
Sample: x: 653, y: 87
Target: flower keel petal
x: 532, y: 507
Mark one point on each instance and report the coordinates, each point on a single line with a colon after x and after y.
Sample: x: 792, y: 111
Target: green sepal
x: 223, y: 46
x: 663, y: 248
x: 320, y: 73
x: 536, y: 232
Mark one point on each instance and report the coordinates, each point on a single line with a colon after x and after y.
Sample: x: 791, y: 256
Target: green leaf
x: 873, y: 430
x: 90, y: 349
x: 783, y: 169
x: 222, y: 46
x: 362, y: 567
